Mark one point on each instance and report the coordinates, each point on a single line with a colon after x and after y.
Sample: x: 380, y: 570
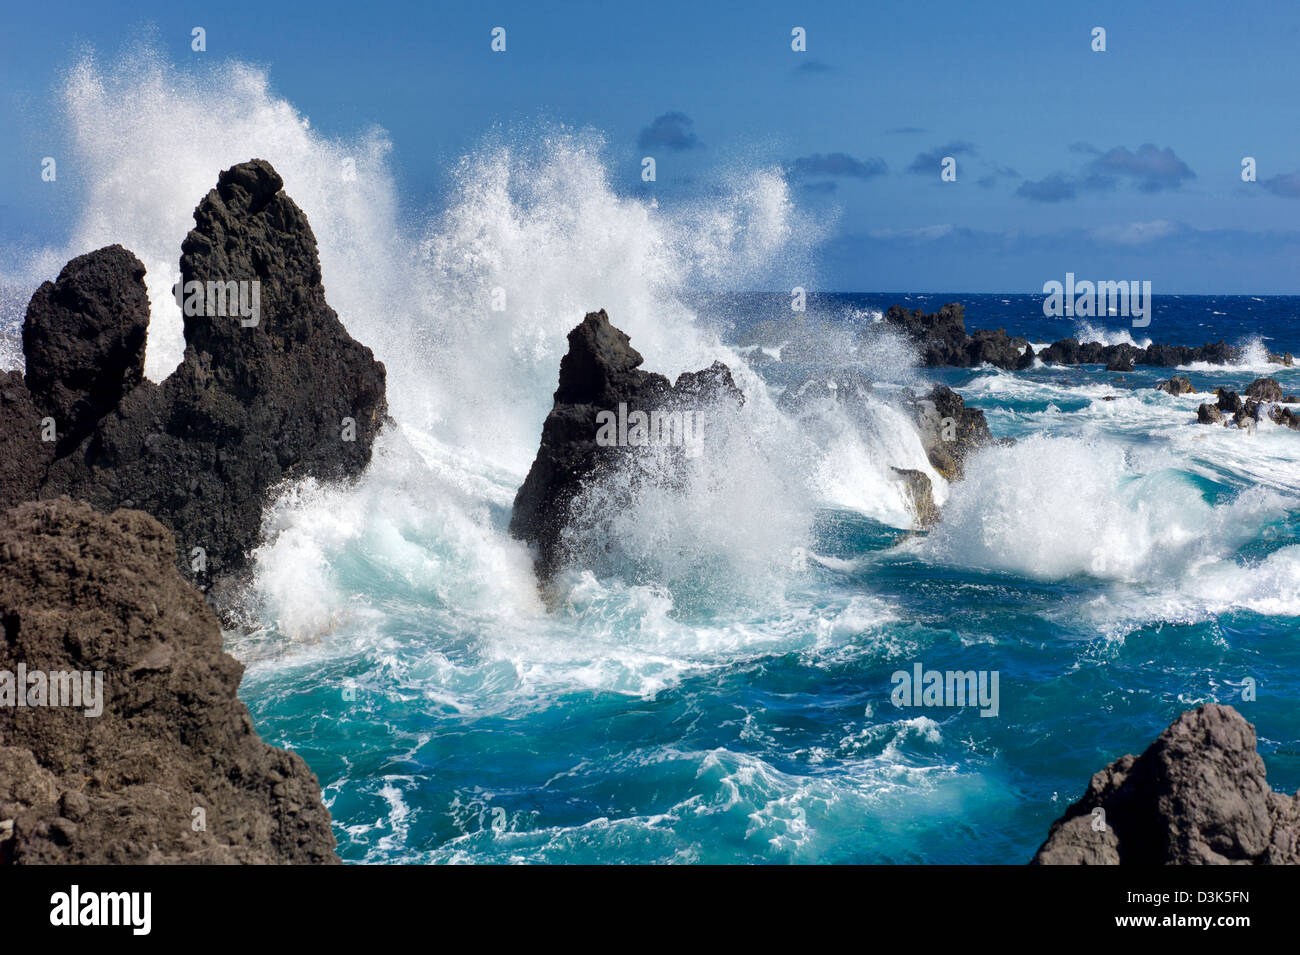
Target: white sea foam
x: 1087, y: 332
x: 418, y: 545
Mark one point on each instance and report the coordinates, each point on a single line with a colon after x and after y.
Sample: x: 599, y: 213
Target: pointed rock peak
x: 597, y: 352
x: 249, y: 186
x: 596, y: 337
x: 84, y: 339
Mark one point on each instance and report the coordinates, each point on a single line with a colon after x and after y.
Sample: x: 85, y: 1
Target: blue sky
x: 1123, y: 164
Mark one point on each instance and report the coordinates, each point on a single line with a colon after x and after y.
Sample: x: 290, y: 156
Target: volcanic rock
x: 949, y: 430
x: 1121, y: 359
x: 1069, y: 351
x: 1229, y: 401
x: 920, y: 496
x: 84, y: 338
x: 600, y: 372
x: 1198, y: 795
x: 1210, y: 414
x: 24, y: 456
x: 255, y: 401
x: 1264, y: 389
x: 170, y: 770
x: 1177, y: 385
x: 942, y: 339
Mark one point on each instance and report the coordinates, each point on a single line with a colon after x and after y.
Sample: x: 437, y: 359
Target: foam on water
x: 1087, y: 332
x: 1050, y: 508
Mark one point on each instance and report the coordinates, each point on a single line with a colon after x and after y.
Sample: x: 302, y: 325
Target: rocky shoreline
x: 250, y: 405
x: 1264, y: 398
x: 169, y: 481
x: 170, y: 770
x: 943, y: 341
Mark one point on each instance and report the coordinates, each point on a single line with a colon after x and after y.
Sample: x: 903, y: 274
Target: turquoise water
x: 1117, y: 566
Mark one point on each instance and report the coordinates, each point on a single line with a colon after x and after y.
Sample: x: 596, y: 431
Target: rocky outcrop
x: 1263, y: 399
x: 1209, y: 414
x: 1122, y: 358
x: 1070, y: 351
x: 1198, y: 795
x: 1264, y: 389
x: 600, y: 372
x: 170, y: 770
x: 942, y: 339
x: 84, y: 338
x: 1177, y: 385
x: 949, y: 430
x: 920, y: 496
x: 279, y: 391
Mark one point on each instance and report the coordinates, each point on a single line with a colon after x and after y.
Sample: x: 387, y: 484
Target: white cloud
x: 921, y: 232
x: 1135, y: 233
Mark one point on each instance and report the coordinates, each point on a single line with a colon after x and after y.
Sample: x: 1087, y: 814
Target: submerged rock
x: 282, y: 392
x: 1177, y: 385
x: 1210, y: 414
x: 600, y: 373
x: 920, y: 496
x: 170, y: 770
x: 1197, y: 795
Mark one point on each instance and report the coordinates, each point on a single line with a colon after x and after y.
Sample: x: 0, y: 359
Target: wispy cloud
x: 812, y: 67
x: 674, y: 131
x: 836, y: 165
x: 925, y: 233
x: 995, y: 174
x: 1286, y: 185
x: 1053, y: 188
x: 1135, y: 233
x: 1148, y: 168
x: 927, y: 163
